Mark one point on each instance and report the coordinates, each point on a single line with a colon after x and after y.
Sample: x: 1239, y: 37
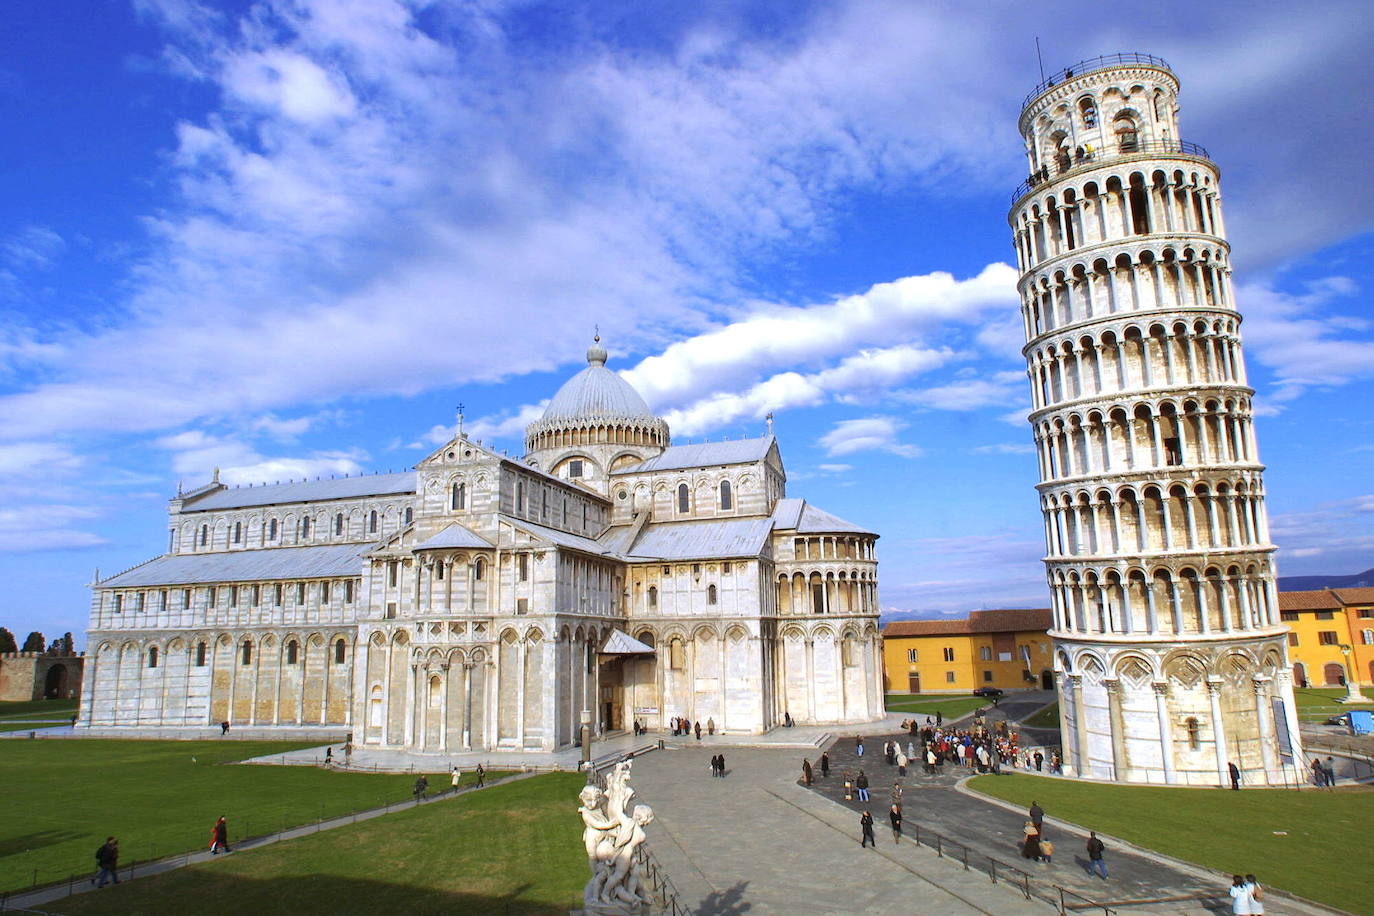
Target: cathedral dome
x: 597, y: 392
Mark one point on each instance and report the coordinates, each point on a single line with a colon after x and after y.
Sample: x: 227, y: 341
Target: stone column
x: 810, y: 679
x: 408, y: 734
x: 1263, y: 717
x: 443, y: 706
x: 467, y: 705
x: 1166, y: 741
x: 1118, y: 726
x: 1080, y: 720
x: 1214, y: 686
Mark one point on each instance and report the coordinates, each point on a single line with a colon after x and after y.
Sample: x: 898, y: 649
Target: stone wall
x: 37, y: 676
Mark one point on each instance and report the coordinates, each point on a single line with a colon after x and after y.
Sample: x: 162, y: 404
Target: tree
x: 68, y: 647
x: 34, y: 642
x: 7, y: 643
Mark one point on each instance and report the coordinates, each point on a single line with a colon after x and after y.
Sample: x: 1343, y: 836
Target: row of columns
x: 1145, y: 439
x: 817, y: 594
x: 1089, y: 294
x: 1097, y: 529
x: 1245, y: 601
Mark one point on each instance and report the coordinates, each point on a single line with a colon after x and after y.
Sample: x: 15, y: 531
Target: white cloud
x: 1005, y: 448
x: 836, y: 468
x: 1303, y: 340
x: 963, y: 395
x: 27, y: 459
x: 32, y: 247
x: 865, y: 434
x: 197, y: 454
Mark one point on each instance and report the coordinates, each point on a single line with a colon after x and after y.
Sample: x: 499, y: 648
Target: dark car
x: 988, y: 692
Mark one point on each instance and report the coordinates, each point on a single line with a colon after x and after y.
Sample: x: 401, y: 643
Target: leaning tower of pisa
x: 1170, y: 656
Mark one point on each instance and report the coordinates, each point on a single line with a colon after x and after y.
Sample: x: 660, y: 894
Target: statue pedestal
x: 1353, y: 695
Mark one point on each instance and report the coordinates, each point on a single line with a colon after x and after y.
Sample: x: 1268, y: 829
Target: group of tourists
x: 684, y: 726
x: 1247, y: 897
x: 1323, y: 774
x: 718, y: 765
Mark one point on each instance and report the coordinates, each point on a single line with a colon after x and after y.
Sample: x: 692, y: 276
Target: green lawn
x: 1305, y: 842
x: 514, y: 848
x: 951, y: 706
x: 57, y: 709
x: 62, y: 798
x: 1047, y: 717
x: 1317, y: 704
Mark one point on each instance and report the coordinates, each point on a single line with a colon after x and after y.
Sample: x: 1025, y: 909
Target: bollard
x: 939, y: 850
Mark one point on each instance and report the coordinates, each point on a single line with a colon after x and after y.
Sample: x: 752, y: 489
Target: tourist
x: 454, y: 777
x: 348, y: 753
x: 1256, y: 895
x: 861, y: 783
x: 910, y: 751
x: 710, y: 726
x: 721, y: 763
x: 786, y: 719
x: 1095, y: 861
x: 866, y: 825
x: 1037, y: 815
x: 1030, y: 846
x: 1330, y: 773
x: 224, y: 728
x: 901, y: 763
x: 939, y: 719
x: 421, y: 787
x: 930, y: 760
x: 848, y: 787
x: 219, y: 837
x: 825, y: 765
x: 1039, y: 761
x: 328, y: 756
x: 1240, y: 896
x: 481, y: 773
x: 718, y: 765
x: 1047, y: 851
x: 806, y: 772
x: 107, y: 861
x: 890, y: 753
x: 859, y: 745
x: 698, y: 728
x: 1235, y: 775
x: 1318, y: 773
x: 894, y: 814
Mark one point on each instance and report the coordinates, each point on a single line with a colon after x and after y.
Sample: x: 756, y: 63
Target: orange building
x: 1332, y: 629
x: 997, y: 648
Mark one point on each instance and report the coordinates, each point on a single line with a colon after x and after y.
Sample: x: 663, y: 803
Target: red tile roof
x: 1353, y: 596
x: 1007, y: 620
x: 1322, y: 599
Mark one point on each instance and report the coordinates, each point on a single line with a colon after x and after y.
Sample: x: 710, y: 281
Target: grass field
x: 1317, y: 704
x: 951, y: 706
x: 511, y: 849
x: 1305, y: 842
x: 1044, y: 718
x: 62, y: 798
x: 37, y: 709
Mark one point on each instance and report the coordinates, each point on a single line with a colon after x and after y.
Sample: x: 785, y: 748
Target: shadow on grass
x: 31, y: 841
x: 301, y: 894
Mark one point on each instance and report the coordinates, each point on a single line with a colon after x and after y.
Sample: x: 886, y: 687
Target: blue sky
x: 286, y: 239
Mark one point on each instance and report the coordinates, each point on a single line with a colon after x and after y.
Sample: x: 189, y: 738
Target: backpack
x: 1257, y: 893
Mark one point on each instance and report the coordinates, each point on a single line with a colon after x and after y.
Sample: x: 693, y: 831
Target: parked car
x: 990, y: 692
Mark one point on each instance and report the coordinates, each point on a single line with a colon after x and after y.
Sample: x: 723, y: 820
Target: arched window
x: 410, y: 515
x: 204, y: 535
x: 339, y: 650
x: 1088, y: 109
x: 710, y: 594
x: 727, y: 498
x: 1194, y: 733
x: 338, y: 524
x: 272, y: 530
x: 292, y: 652
x: 683, y: 498
x: 677, y: 654
x: 459, y: 497
x: 1127, y: 134
x: 152, y: 657
x: 372, y: 522
x: 238, y: 532
x: 305, y: 527
x: 479, y: 569
x: 247, y: 652
x: 200, y: 655
x: 653, y: 597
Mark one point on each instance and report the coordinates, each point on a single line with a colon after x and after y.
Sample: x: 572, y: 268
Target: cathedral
x: 483, y: 602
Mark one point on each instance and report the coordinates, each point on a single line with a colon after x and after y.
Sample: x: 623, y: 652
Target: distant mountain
x: 1310, y: 583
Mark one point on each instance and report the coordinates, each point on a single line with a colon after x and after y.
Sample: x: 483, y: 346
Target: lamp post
x: 1352, y: 688
x: 586, y: 734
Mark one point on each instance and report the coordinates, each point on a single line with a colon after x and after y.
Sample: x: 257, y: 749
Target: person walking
x: 711, y: 726
x: 1095, y: 861
x: 1330, y: 773
x: 454, y: 778
x: 720, y: 762
x: 1240, y: 896
x: 219, y: 837
x: 1030, y: 846
x: 1235, y: 775
x: 1047, y: 851
x: 861, y: 783
x: 421, y: 787
x: 481, y: 773
x: 859, y: 746
x: 806, y: 772
x: 825, y: 765
x: 901, y: 763
x: 107, y: 862
x: 1256, y: 895
x: 866, y: 825
x: 698, y: 727
x: 224, y: 728
x: 328, y: 756
x: 894, y: 814
x: 1037, y: 815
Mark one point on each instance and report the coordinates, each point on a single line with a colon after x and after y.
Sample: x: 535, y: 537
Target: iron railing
x: 1087, y: 156
x: 1094, y: 64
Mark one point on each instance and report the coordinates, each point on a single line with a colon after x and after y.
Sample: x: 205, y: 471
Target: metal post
x: 586, y: 735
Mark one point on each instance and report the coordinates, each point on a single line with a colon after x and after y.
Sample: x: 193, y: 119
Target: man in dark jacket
x: 894, y: 815
x: 107, y: 859
x: 825, y: 766
x: 1037, y: 816
x: 1095, y: 862
x: 866, y: 825
x: 861, y: 783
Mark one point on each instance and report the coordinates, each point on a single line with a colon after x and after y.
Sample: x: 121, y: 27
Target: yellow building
x: 1331, y: 628
x: 998, y: 648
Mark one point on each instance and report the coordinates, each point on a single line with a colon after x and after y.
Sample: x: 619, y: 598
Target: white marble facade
x: 468, y: 603
x: 1171, y: 655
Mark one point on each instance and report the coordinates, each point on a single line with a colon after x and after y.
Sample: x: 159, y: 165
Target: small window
x: 1327, y: 638
x: 391, y: 610
x: 185, y: 598
x: 710, y: 594
x: 392, y: 572
x: 305, y: 527
x: 1088, y: 109
x: 204, y: 535
x: 1366, y: 613
x: 439, y: 570
x: 522, y: 605
x: 949, y: 655
x: 233, y: 596
x: 1326, y: 615
x: 247, y: 653
x: 1293, y: 639
x: 409, y: 515
x: 987, y: 677
x: 212, y: 594
x: 272, y: 530
x: 339, y: 651
x: 683, y: 498
x: 725, y: 567
x: 162, y: 600
x: 300, y: 593
x: 238, y: 532
x: 696, y: 569
x: 152, y: 657
x: 324, y: 593
x: 575, y: 467
x: 677, y: 654
x: 458, y: 496
x: 1194, y: 729
x: 1367, y: 637
x: 985, y: 653
x: 667, y: 570
x: 257, y: 595
x: 372, y: 522
x: 727, y: 499
x: 911, y: 656
x: 119, y: 604
x: 522, y: 562
x: 949, y: 677
x: 520, y: 496
x: 277, y: 594
x: 653, y: 597
x: 348, y: 591
x: 479, y: 568
x: 1288, y: 615
x: 200, y: 655
x: 292, y: 652
x: 338, y: 524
